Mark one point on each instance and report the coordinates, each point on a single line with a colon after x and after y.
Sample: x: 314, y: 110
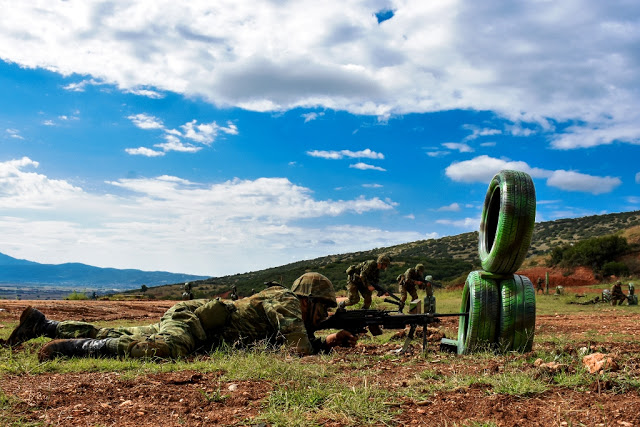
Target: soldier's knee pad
x: 143, y: 349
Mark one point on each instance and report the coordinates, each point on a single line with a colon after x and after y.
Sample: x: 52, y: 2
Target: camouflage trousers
x: 409, y: 288
x: 181, y: 330
x: 355, y: 288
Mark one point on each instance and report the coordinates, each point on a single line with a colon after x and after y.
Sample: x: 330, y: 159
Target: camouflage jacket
x: 411, y: 276
x: 366, y: 272
x: 273, y: 315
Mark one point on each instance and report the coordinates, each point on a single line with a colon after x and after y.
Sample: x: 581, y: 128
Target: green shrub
x: 614, y: 268
x: 76, y: 296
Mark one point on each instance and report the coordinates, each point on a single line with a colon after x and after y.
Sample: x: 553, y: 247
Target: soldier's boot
x: 32, y: 324
x: 76, y: 347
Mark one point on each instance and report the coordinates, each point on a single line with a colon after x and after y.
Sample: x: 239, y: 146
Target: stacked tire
x: 501, y: 305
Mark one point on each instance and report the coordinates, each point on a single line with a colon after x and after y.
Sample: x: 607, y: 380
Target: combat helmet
x: 384, y: 259
x: 420, y: 267
x: 317, y: 286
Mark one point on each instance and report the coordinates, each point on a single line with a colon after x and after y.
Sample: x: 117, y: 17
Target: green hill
x: 447, y: 259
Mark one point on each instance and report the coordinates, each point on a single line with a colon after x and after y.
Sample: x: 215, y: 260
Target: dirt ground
x: 176, y: 398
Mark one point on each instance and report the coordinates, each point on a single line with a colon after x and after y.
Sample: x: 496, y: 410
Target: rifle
x: 358, y: 321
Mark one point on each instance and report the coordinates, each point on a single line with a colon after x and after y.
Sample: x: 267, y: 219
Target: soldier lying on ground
x: 278, y: 315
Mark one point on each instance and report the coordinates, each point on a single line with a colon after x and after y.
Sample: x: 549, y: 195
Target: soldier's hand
x: 342, y: 339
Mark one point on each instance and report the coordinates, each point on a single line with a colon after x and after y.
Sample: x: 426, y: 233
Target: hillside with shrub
x: 450, y: 258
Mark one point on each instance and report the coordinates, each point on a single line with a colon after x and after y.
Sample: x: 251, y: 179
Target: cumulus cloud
x: 453, y: 207
x: 308, y: 117
x: 456, y: 146
x: 335, y: 155
x: 206, y: 228
x: 575, y: 181
x: 365, y: 166
x: 483, y: 168
x: 144, y: 151
x: 424, y: 57
x: 14, y: 133
x: 199, y: 133
x: 145, y: 121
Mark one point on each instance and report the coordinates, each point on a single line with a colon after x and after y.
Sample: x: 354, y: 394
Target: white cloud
x: 147, y: 93
x: 488, y: 144
x: 437, y: 153
x: 49, y: 123
x: 204, y: 133
x: 365, y: 166
x: 634, y: 200
x: 81, y: 85
x: 483, y: 168
x: 430, y: 56
x: 311, y: 116
x: 453, y: 207
x: 335, y: 155
x: 575, y: 181
x: 463, y: 148
x: 173, y: 224
x: 14, y: 133
x: 372, y: 185
x: 145, y: 121
x: 638, y: 178
x: 477, y: 132
x: 465, y: 223
x: 143, y: 151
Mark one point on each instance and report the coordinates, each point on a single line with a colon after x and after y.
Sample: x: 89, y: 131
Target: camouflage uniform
x: 358, y: 279
x: 411, y: 276
x: 273, y: 315
x: 617, y: 296
x: 539, y: 287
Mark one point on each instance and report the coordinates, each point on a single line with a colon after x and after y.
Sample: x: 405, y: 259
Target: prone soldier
x: 277, y: 314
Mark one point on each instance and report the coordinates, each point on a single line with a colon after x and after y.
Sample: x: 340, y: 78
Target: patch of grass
x: 517, y: 384
x: 308, y: 403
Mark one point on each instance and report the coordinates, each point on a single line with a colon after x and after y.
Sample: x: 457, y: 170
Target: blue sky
x: 223, y: 137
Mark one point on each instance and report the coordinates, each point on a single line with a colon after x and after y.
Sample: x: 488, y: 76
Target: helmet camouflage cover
x: 317, y: 286
x: 420, y: 267
x: 384, y: 259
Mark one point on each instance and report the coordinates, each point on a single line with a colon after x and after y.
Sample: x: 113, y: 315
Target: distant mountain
x: 28, y: 273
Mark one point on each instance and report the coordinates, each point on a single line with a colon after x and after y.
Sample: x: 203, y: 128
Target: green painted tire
x: 506, y: 225
x: 517, y: 320
x: 480, y: 298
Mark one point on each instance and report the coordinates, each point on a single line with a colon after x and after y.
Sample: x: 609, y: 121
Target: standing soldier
x: 234, y: 293
x: 540, y: 287
x: 363, y: 279
x: 413, y: 277
x: 187, y: 294
x: 617, y: 296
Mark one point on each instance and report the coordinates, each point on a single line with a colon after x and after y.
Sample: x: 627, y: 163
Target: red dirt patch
x: 192, y: 398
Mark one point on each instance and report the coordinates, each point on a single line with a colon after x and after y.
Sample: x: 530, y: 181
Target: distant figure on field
x: 617, y: 296
x: 413, y: 278
x: 539, y: 287
x: 234, y: 293
x: 187, y: 294
x: 361, y: 278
